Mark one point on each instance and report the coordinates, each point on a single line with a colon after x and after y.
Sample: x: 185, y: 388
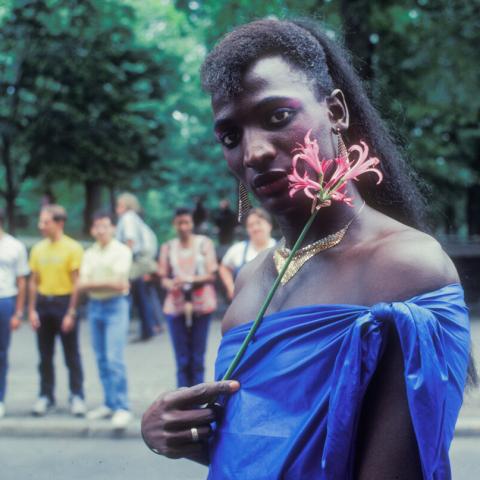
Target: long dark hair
x: 305, y: 45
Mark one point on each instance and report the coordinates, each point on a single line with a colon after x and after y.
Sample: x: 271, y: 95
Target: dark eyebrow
x: 221, y: 123
x: 273, y: 99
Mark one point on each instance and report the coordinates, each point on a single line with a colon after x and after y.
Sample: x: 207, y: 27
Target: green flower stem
x: 267, y: 301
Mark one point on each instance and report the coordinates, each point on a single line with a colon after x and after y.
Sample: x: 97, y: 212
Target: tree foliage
x: 82, y: 94
x: 108, y: 92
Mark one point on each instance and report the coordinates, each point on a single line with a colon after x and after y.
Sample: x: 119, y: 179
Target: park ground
x: 61, y: 447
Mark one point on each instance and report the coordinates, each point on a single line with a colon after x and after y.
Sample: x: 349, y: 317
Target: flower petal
x: 334, y: 186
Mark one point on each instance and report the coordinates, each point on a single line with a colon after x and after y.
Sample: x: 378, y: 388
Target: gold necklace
x: 304, y: 254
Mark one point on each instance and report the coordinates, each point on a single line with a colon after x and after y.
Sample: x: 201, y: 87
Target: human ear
x: 338, y: 110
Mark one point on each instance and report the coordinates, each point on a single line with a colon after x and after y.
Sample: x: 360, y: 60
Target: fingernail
x: 234, y: 386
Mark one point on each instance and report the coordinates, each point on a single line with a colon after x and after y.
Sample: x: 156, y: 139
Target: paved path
x: 127, y: 459
x: 151, y: 371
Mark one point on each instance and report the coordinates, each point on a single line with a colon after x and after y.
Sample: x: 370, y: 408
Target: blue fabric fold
x: 304, y: 376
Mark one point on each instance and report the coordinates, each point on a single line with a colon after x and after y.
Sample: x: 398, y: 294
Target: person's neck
x: 329, y: 220
x: 2, y: 232
x: 56, y: 236
x: 186, y: 241
x: 260, y: 244
x: 104, y: 243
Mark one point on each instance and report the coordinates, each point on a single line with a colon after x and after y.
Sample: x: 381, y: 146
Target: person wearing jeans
x: 104, y: 276
x: 7, y: 309
x: 187, y: 269
x: 13, y: 271
x: 189, y: 344
x: 53, y: 296
x: 140, y: 238
x: 109, y: 329
x: 142, y: 293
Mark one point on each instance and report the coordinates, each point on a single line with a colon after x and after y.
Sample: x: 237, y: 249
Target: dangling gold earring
x: 341, y: 149
x: 244, y: 204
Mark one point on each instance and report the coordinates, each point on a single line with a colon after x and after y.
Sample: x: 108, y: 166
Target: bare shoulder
x: 421, y: 255
x: 408, y: 262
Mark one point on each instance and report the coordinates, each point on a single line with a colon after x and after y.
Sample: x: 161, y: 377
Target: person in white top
x: 13, y: 272
x: 140, y: 238
x: 259, y: 228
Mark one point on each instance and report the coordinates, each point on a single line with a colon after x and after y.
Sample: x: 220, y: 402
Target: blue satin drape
x: 304, y: 376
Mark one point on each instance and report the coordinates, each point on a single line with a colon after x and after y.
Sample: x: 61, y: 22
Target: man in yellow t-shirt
x: 53, y: 294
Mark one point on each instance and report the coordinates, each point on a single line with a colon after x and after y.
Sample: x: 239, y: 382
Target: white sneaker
x: 2, y: 409
x: 41, y: 406
x: 77, y: 406
x: 100, y: 412
x: 121, y: 418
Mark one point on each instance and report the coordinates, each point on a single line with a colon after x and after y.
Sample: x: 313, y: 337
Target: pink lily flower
x: 322, y: 190
x: 305, y: 183
x: 363, y: 164
x: 309, y: 154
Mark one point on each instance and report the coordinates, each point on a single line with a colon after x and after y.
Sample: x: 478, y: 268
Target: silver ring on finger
x: 195, y: 436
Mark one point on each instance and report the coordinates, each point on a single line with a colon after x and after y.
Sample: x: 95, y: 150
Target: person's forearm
x: 72, y: 307
x: 118, y: 285
x: 32, y: 292
x: 22, y: 290
x: 166, y: 283
x: 201, y: 279
x: 226, y: 276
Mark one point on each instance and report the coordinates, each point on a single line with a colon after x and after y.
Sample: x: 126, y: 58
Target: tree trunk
x: 10, y: 192
x: 473, y: 210
x: 112, y: 198
x: 93, y: 201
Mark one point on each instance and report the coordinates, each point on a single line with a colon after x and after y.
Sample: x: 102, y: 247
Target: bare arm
x: 386, y: 443
x: 163, y: 270
x: 119, y: 286
x: 32, y: 300
x: 20, y: 303
x: 68, y: 322
x: 226, y: 276
x: 74, y: 296
x: 198, y: 280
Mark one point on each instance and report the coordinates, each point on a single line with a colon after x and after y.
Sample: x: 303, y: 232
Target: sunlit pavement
x: 151, y: 371
x: 128, y: 459
x: 53, y: 448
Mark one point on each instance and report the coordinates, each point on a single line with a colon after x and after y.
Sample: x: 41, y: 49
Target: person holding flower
x: 356, y: 363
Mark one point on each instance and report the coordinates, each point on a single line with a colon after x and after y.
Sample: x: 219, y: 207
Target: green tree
x: 418, y: 60
x: 84, y: 96
x: 89, y: 88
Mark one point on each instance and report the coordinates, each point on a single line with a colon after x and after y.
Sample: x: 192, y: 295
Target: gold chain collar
x: 305, y: 253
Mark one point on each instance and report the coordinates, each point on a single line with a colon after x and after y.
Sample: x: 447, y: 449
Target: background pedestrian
x: 53, y: 297
x: 258, y: 224
x: 141, y: 239
x: 13, y: 272
x: 187, y: 269
x: 104, y: 276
